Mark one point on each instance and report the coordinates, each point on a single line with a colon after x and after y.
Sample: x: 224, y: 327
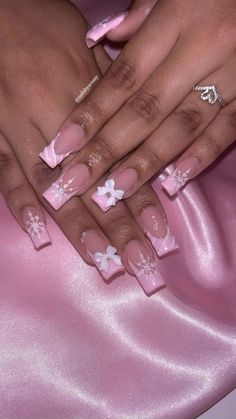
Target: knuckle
x: 213, y: 148
x: 123, y: 75
x: 141, y: 200
x: 120, y: 227
x: 153, y: 160
x: 190, y: 119
x: 7, y: 162
x: 232, y: 118
x: 14, y: 196
x: 41, y: 174
x: 101, y: 151
x: 72, y: 218
x: 145, y: 105
x: 91, y: 113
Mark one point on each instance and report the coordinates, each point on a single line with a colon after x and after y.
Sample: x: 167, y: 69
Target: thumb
x: 136, y: 15
x: 121, y: 26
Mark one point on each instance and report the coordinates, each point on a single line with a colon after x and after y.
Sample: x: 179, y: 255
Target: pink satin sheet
x: 73, y: 347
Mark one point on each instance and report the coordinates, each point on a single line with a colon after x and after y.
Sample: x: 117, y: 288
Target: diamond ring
x: 210, y: 94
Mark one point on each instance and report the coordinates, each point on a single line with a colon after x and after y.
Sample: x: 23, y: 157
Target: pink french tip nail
x: 35, y: 227
x: 72, y: 182
x: 67, y: 141
x: 158, y: 231
x: 115, y: 189
x: 98, y: 32
x: 144, y: 266
x: 185, y: 171
x: 103, y: 254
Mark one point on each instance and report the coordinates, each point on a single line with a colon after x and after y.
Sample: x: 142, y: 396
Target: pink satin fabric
x: 73, y: 347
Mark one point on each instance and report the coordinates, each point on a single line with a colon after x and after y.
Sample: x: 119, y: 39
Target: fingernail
x: 67, y: 141
x: 115, y: 189
x: 103, y: 254
x: 186, y: 170
x: 98, y: 32
x: 35, y: 227
x: 158, y: 231
x: 144, y: 266
x: 72, y: 182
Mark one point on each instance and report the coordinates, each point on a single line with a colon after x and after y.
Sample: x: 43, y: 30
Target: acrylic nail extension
x: 158, y: 231
x: 103, y: 254
x: 115, y: 189
x: 98, y: 32
x: 35, y: 227
x: 67, y: 141
x: 185, y: 171
x: 144, y: 266
x: 72, y: 182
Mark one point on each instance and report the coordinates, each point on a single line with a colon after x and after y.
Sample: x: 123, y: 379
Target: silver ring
x: 210, y: 94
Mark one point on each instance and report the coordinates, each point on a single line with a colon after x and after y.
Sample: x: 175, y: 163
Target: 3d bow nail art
x: 107, y: 196
x: 115, y: 189
x: 103, y: 254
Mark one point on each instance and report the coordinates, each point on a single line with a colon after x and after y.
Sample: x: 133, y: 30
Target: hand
x: 38, y: 90
x: 146, y: 104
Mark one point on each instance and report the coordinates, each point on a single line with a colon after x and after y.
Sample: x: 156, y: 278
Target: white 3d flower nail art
x: 113, y: 195
x: 103, y: 258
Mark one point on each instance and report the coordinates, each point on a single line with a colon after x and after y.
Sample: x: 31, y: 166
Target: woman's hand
x: 44, y: 65
x: 146, y: 103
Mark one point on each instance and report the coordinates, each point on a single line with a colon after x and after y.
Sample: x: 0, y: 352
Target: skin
x: 44, y: 64
x: 148, y: 91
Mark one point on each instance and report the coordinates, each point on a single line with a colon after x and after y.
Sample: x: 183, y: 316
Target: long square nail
x: 184, y: 171
x: 103, y: 254
x: 72, y: 182
x: 67, y: 141
x: 158, y: 231
x: 97, y: 33
x: 144, y: 266
x: 35, y: 227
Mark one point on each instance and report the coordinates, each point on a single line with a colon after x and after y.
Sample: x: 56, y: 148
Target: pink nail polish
x: 72, y: 182
x: 144, y: 266
x: 158, y: 231
x: 103, y: 254
x: 115, y: 189
x: 186, y: 170
x: 98, y: 32
x: 67, y: 141
x: 35, y: 227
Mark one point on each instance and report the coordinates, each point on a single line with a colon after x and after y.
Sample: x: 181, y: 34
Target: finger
x: 121, y: 26
x: 174, y: 135
x: 149, y: 213
x: 74, y: 219
x: 124, y: 232
x: 21, y: 198
x: 160, y: 95
x: 122, y: 80
x: 218, y: 136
